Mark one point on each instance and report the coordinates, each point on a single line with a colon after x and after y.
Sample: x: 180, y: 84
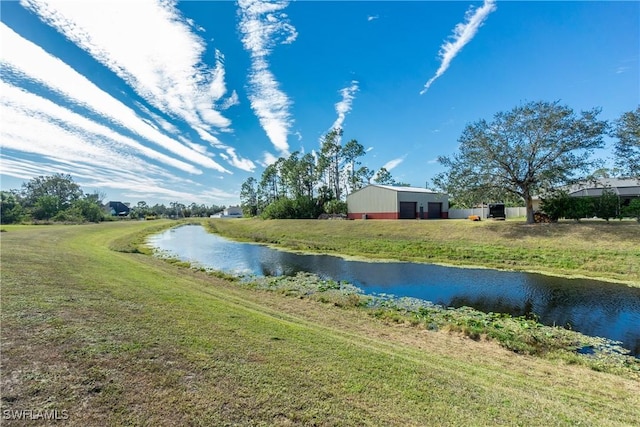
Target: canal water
x: 592, y: 307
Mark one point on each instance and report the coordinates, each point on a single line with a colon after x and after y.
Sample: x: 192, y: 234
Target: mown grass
x: 122, y: 338
x: 595, y: 249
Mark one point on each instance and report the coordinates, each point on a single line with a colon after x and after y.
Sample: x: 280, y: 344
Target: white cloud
x: 162, y: 63
x: 344, y: 106
x: 372, y: 17
x: 463, y: 33
x: 239, y: 162
x: 206, y: 136
x: 28, y: 133
x: 263, y: 25
x: 25, y: 169
x: 168, y: 127
x: 16, y: 102
x: 230, y: 101
x: 197, y: 147
x: 32, y: 63
x: 268, y: 159
x: 391, y: 164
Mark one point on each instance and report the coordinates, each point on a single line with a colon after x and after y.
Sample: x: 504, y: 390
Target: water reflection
x: 591, y: 307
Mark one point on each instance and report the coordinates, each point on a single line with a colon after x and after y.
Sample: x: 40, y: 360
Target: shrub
x: 335, y: 207
x: 579, y: 207
x: 10, y: 209
x: 632, y: 210
x: 285, y: 208
x: 556, y: 205
x: 561, y: 205
x: 46, y: 207
x: 306, y: 207
x: 89, y: 210
x: 68, y: 215
x: 280, y: 209
x: 606, y: 206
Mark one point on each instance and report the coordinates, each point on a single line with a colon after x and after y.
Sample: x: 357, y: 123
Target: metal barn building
x: 389, y: 202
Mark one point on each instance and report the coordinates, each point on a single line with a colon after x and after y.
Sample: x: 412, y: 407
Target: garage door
x: 434, y: 210
x: 408, y: 210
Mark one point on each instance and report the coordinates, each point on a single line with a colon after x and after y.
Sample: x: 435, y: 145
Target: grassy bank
x: 596, y: 249
x: 120, y: 338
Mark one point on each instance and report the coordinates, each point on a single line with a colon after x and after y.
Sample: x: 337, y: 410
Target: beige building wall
x: 372, y: 200
x: 384, y: 203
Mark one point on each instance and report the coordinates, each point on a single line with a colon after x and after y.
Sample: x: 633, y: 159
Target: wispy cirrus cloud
x: 23, y: 58
x: 344, y: 106
x: 62, y: 141
x: 66, y: 147
x: 391, y: 164
x: 19, y: 105
x: 163, y: 63
x: 263, y: 25
x: 463, y: 33
x: 230, y: 101
x: 233, y: 159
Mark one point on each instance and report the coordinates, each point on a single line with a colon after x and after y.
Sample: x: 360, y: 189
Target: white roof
x: 405, y: 189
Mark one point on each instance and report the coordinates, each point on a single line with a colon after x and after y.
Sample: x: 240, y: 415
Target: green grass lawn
x: 123, y: 338
x: 591, y: 248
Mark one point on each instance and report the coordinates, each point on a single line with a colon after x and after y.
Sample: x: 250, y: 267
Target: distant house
x: 118, y: 208
x: 626, y: 189
x: 391, y: 202
x: 230, y: 212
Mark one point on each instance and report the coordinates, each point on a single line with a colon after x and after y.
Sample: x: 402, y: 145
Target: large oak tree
x: 535, y: 146
x: 58, y: 186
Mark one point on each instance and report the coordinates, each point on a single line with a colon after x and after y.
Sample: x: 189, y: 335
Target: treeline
x: 58, y: 198
x: 175, y: 210
x: 607, y: 206
x: 307, y: 185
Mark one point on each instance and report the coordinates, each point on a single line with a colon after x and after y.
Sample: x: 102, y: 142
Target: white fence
x: 484, y: 212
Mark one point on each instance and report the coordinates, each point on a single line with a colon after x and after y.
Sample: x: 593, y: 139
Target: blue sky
x: 183, y: 101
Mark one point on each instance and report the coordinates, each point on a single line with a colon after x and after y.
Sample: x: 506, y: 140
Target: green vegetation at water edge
x: 123, y: 338
x: 524, y: 335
